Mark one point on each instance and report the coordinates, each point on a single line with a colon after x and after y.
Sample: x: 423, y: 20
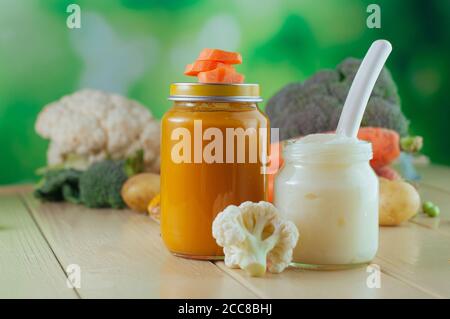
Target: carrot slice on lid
x: 220, y: 56
x: 221, y: 74
x: 201, y: 66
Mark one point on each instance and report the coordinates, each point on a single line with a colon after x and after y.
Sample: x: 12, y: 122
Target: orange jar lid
x: 215, y: 92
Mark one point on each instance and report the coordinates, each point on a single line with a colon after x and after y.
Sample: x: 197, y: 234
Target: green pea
x: 427, y: 206
x: 434, y: 211
x: 431, y: 209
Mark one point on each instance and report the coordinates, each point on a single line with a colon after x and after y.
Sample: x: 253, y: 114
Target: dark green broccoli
x: 315, y: 105
x: 101, y: 183
x: 98, y: 186
x: 59, y: 185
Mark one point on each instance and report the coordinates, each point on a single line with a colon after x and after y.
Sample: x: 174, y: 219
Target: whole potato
x: 139, y: 190
x: 399, y: 201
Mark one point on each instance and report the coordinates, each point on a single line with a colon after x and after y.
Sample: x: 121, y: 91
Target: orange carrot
x: 221, y: 74
x: 385, y: 145
x: 238, y: 78
x: 201, y: 66
x: 220, y: 56
x: 388, y: 172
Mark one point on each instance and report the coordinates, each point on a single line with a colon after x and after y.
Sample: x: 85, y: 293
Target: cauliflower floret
x: 92, y: 125
x: 148, y: 142
x: 253, y: 235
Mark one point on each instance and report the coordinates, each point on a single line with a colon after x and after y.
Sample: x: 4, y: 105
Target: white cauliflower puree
x: 329, y: 191
x: 91, y: 125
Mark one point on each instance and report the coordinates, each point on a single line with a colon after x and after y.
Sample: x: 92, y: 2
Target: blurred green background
x: 137, y: 47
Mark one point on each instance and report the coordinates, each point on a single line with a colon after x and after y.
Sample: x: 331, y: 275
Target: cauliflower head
x: 254, y: 237
x: 90, y: 125
x: 315, y: 105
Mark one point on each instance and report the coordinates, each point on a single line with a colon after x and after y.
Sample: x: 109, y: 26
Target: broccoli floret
x: 315, y: 105
x: 59, y: 185
x: 101, y: 183
x: 98, y: 186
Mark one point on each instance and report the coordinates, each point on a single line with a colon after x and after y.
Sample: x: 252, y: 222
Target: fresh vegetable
x: 411, y: 144
x: 134, y: 163
x: 385, y: 145
x: 98, y: 186
x: 90, y: 125
x: 59, y: 185
x: 314, y: 106
x: 254, y: 237
x: 434, y: 211
x: 426, y: 206
x: 154, y: 208
x: 388, y: 173
x: 431, y: 209
x: 201, y: 66
x: 399, y: 201
x: 139, y: 190
x: 221, y: 74
x: 101, y: 183
x: 238, y: 78
x: 215, y: 66
x: 220, y: 56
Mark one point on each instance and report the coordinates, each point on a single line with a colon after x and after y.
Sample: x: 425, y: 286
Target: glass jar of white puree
x: 328, y: 189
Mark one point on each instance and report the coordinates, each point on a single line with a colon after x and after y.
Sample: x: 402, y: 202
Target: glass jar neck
x: 327, y: 154
x: 214, y: 106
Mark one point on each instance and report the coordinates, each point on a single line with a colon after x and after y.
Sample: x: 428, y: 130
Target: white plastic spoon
x: 362, y: 87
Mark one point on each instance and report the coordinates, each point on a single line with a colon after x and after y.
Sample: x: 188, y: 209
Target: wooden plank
x: 417, y: 256
x: 301, y: 284
x: 441, y: 198
x: 15, y: 189
x: 28, y: 268
x: 435, y: 175
x: 121, y: 254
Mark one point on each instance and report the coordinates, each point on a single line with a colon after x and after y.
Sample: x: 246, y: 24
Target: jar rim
x: 293, y: 150
x: 215, y: 92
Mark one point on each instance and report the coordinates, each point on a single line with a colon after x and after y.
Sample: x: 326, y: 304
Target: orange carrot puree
x: 199, y: 191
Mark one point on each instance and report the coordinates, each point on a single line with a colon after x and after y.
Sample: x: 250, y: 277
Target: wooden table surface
x: 121, y: 255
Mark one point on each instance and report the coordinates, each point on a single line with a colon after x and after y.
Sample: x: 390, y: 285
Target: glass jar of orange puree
x: 213, y: 151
